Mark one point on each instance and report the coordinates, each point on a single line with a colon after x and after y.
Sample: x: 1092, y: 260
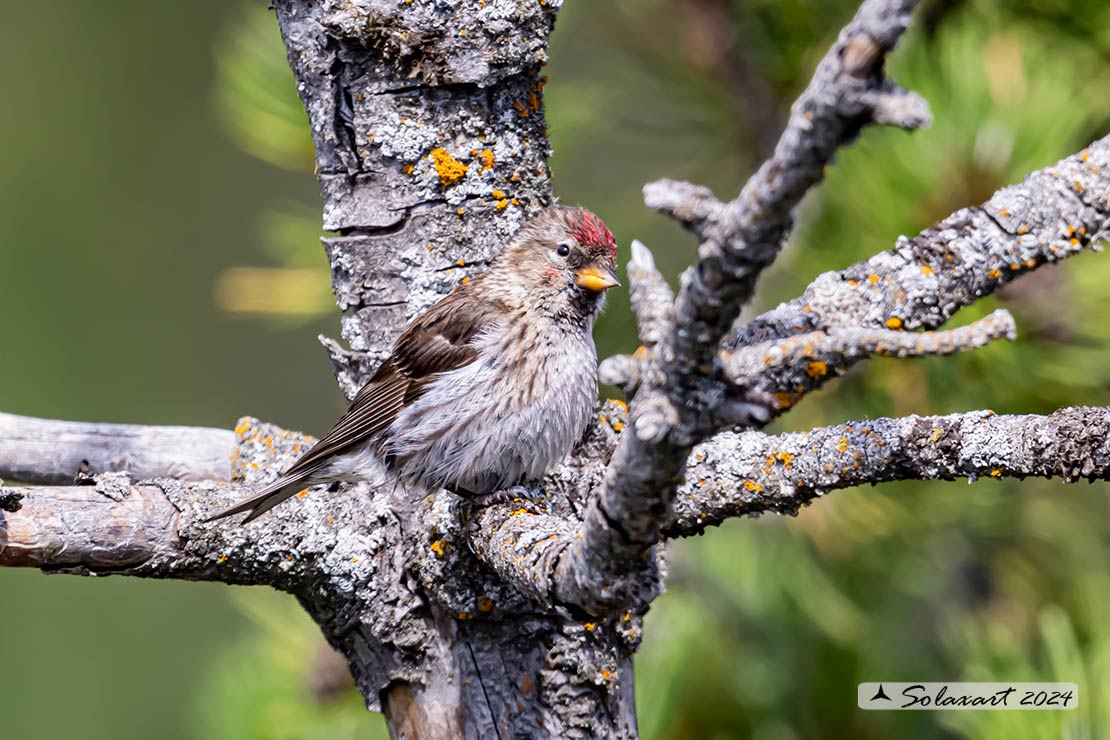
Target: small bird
x: 487, y: 389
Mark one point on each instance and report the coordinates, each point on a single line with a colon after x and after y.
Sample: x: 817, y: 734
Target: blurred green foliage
x: 768, y: 625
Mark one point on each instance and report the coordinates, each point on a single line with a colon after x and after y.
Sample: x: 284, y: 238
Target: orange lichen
x: 1078, y: 186
x: 439, y: 547
x: 502, y: 204
x: 497, y: 194
x: 752, y: 487
x: 784, y: 400
x: 996, y: 473
x: 817, y: 369
x: 302, y: 493
x: 464, y: 616
x: 521, y: 109
x: 994, y: 274
x: 222, y: 559
x: 873, y: 278
x: 589, y: 626
x: 853, y: 283
x: 487, y: 160
x: 843, y: 444
x: 1023, y: 229
x: 1004, y: 213
x: 243, y: 427
x: 485, y: 605
x: 606, y: 674
x: 408, y: 169
x: 1083, y: 155
x: 926, y: 270
x: 1074, y: 242
x: 894, y: 323
x: 449, y: 169
x: 459, y: 211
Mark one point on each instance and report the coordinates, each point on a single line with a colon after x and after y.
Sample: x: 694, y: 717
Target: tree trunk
x: 431, y: 150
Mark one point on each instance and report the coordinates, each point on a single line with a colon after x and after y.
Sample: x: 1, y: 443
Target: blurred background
x: 158, y: 247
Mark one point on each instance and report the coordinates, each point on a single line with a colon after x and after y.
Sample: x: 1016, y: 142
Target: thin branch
x: 741, y: 238
x: 1053, y: 214
x: 814, y: 353
x: 52, y: 452
x: 751, y: 473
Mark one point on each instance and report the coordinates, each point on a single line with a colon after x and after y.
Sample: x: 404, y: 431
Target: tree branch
x: 751, y: 473
x: 813, y: 353
x: 1053, y: 214
x: 52, y: 452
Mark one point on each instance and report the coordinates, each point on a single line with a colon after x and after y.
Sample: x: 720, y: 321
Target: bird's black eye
x: 563, y: 250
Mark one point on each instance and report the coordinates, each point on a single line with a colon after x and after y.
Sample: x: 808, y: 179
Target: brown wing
x: 435, y: 342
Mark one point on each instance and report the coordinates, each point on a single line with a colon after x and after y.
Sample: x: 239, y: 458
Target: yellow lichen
x: 817, y: 369
x: 873, y: 278
x: 843, y: 445
x: 243, y: 427
x: 449, y: 169
x: 502, y: 204
x: 487, y: 160
x: 894, y: 323
x: 996, y: 473
x: 497, y: 194
x: 589, y: 626
x: 935, y: 436
x: 926, y: 270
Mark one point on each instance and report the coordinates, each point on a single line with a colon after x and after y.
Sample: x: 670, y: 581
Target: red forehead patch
x: 592, y: 232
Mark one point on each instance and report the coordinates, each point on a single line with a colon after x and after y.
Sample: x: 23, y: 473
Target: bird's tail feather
x: 268, y: 497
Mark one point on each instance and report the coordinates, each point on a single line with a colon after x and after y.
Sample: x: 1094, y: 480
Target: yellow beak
x: 597, y: 278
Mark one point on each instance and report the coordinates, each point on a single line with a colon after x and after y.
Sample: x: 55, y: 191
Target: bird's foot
x: 504, y: 496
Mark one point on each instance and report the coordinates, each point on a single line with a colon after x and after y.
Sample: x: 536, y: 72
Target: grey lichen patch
x: 263, y: 451
x: 116, y: 486
x: 447, y: 42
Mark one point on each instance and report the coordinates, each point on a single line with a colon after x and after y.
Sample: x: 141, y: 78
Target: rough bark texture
x: 520, y: 620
